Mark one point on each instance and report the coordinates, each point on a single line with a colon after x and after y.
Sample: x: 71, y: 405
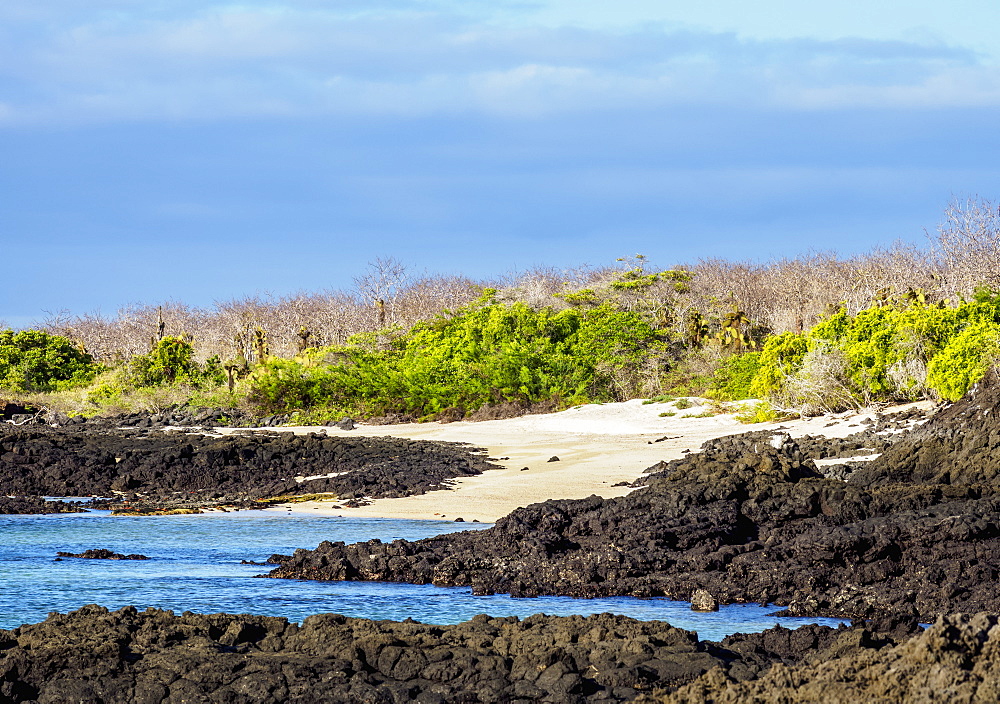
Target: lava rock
x: 93, y: 654
x: 101, y: 554
x: 177, y: 466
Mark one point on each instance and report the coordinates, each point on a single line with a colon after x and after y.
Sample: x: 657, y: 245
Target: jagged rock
x: 194, y: 467
x: 93, y: 655
x: 35, y: 504
x: 956, y: 660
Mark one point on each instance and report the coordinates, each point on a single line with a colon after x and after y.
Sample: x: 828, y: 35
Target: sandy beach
x: 599, y: 446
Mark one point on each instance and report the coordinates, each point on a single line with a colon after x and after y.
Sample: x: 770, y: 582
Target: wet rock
x: 34, y: 504
x: 101, y: 554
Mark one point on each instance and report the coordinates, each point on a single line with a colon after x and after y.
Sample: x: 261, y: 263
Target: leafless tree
x: 968, y: 243
x: 380, y: 286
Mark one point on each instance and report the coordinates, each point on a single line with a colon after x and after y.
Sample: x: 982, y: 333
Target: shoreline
x: 598, y: 446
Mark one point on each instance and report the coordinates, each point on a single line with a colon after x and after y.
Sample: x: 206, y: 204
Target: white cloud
x: 394, y: 58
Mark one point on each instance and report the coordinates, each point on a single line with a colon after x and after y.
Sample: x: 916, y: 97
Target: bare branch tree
x: 968, y: 242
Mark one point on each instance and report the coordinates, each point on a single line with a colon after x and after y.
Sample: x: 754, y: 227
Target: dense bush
x: 733, y: 379
x: 488, y: 353
x: 32, y: 360
x: 170, y: 361
x: 965, y: 360
x: 883, y: 353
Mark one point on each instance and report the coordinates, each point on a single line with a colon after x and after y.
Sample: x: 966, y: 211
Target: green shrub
x: 488, y: 353
x: 883, y: 353
x: 965, y: 360
x: 780, y: 359
x: 32, y: 360
x: 171, y: 361
x: 733, y: 379
x: 763, y: 412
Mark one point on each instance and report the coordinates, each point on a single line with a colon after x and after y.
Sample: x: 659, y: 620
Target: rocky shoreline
x: 148, y: 471
x: 93, y: 655
x: 914, y: 533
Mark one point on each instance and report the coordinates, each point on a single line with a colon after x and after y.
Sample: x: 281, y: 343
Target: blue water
x: 195, y: 566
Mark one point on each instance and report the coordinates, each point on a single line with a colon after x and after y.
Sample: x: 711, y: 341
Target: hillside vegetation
x: 814, y: 333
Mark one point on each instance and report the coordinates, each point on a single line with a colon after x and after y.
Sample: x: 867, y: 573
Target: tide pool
x: 195, y: 565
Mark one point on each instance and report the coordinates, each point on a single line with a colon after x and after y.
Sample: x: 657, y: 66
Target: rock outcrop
x: 955, y: 660
x: 93, y: 655
x: 193, y: 467
x: 35, y: 504
x: 101, y: 554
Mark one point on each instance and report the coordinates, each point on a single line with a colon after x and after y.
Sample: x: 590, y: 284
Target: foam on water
x: 195, y: 566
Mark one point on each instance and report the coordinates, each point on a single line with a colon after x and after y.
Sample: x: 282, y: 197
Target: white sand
x: 598, y: 445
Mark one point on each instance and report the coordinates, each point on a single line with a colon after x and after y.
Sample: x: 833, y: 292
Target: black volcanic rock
x: 35, y: 504
x: 101, y: 554
x: 959, y: 445
x: 194, y: 467
x: 93, y: 655
x: 955, y: 660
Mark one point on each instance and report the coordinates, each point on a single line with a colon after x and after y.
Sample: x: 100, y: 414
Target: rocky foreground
x: 955, y: 660
x: 92, y: 655
x: 181, y: 468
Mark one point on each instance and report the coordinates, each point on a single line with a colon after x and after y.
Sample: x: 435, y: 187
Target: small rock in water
x: 702, y: 600
x: 553, y: 459
x: 101, y: 554
x: 459, y: 520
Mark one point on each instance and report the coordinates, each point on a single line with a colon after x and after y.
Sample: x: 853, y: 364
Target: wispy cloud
x: 117, y: 61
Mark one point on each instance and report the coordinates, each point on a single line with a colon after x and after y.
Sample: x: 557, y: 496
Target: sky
x: 199, y: 151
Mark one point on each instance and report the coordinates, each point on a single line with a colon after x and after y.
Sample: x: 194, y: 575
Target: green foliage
x: 883, y: 353
x: 965, y: 360
x: 683, y: 403
x: 32, y: 360
x: 638, y: 279
x: 763, y: 412
x: 166, y: 376
x: 583, y: 297
x: 733, y: 379
x: 781, y: 357
x: 170, y: 361
x: 488, y: 353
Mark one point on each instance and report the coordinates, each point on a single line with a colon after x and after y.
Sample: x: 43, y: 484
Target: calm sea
x: 195, y: 566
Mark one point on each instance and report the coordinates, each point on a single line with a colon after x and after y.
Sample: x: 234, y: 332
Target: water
x: 195, y: 566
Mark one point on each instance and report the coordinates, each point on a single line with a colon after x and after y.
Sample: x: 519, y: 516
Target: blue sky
x: 200, y: 151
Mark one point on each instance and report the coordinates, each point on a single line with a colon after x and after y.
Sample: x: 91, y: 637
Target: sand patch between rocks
x: 598, y: 446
